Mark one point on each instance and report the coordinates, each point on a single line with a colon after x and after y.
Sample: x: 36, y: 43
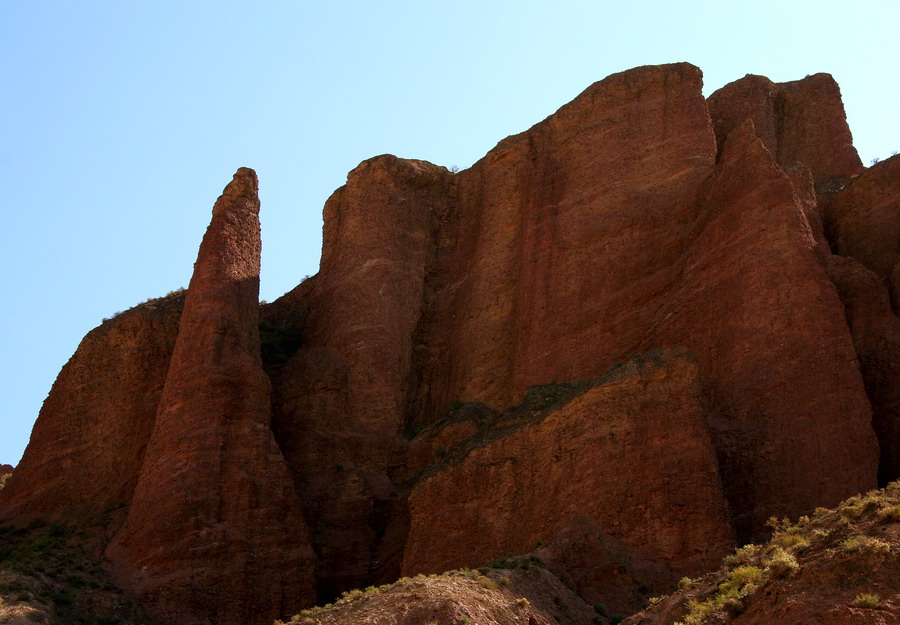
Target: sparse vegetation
x: 742, y: 555
x: 47, y: 568
x: 151, y: 301
x: 867, y: 600
x: 741, y: 582
x: 837, y: 535
x: 781, y: 563
x: 865, y: 544
x: 891, y: 513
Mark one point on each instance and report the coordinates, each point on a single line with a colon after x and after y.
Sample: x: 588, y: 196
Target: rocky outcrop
x: 781, y: 378
x: 632, y: 455
x: 801, y: 121
x: 340, y: 402
x: 527, y: 593
x: 87, y: 446
x: 214, y: 532
x: 638, y: 217
x: 863, y: 221
x: 547, y: 270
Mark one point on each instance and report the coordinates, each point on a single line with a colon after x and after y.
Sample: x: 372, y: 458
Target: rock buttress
x: 86, y: 448
x: 215, y: 532
x: 562, y: 240
x: 787, y: 404
x: 610, y: 229
x: 340, y: 402
x: 863, y: 221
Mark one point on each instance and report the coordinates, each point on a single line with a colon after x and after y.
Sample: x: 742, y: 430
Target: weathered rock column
x: 215, y: 532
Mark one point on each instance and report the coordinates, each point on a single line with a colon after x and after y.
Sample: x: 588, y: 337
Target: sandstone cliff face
x: 801, y: 121
x: 638, y: 217
x: 780, y: 372
x: 340, y: 403
x: 214, y: 531
x: 86, y: 448
x: 863, y: 221
x: 548, y: 271
x: 632, y: 455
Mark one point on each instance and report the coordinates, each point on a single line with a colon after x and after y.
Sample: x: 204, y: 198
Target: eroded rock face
x: 214, y: 533
x: 551, y: 265
x: 863, y: 221
x: 638, y: 217
x: 801, y: 121
x: 632, y: 455
x: 340, y: 403
x: 778, y: 364
x: 86, y: 448
x: 876, y: 336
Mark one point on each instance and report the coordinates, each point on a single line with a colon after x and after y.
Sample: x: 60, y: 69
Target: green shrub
x: 791, y: 540
x: 781, y: 563
x: 891, y: 513
x: 865, y: 544
x: 867, y: 600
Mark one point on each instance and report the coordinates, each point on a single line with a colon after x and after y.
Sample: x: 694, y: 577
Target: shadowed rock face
x: 214, y: 533
x: 638, y: 217
x: 863, y: 221
x: 876, y: 335
x: 340, y: 403
x: 779, y: 369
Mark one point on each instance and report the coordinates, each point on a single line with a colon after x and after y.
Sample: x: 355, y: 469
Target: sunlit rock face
x: 384, y: 423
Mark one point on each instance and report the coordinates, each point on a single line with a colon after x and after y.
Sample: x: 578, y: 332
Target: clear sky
x: 123, y: 121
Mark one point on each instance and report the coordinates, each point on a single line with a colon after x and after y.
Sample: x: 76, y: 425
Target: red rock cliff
x: 638, y: 217
x: 214, y: 533
x: 86, y: 448
x: 632, y: 455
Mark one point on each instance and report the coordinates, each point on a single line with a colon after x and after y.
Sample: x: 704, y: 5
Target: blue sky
x: 123, y: 121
